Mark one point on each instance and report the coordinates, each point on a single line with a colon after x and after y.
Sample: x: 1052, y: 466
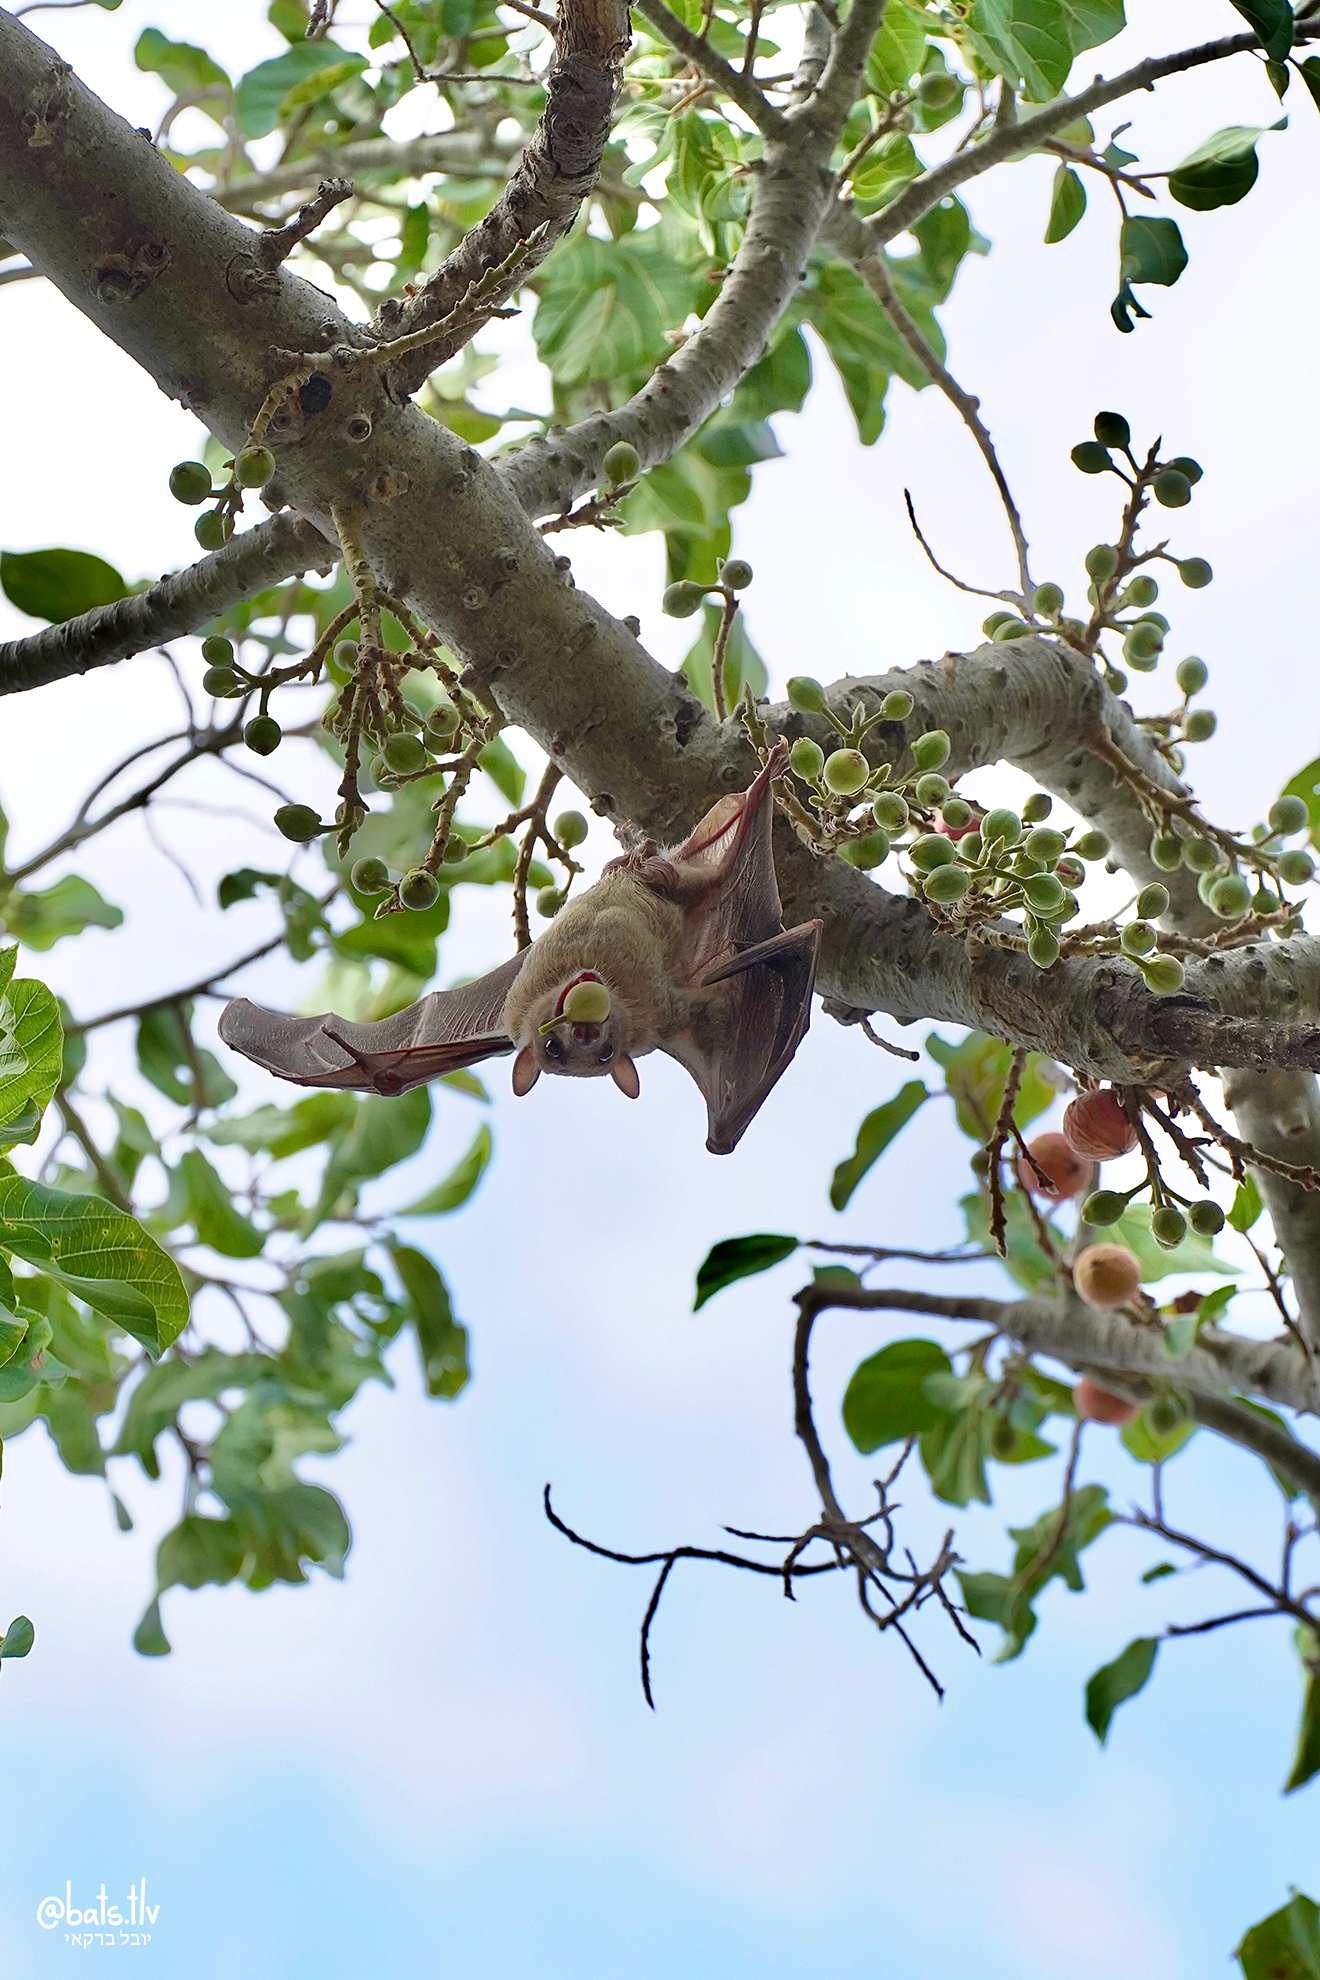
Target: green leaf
x: 282, y: 1529
x: 1284, y: 1946
x: 1092, y: 21
x: 1113, y: 1684
x: 13, y: 1326
x: 1193, y: 1254
x: 1222, y: 170
x: 1041, y: 1556
x: 740, y: 1258
x: 606, y: 307
x: 157, y: 1398
x: 976, y: 1073
x: 1148, y: 251
x: 41, y: 920
x: 168, y: 1057
x: 101, y: 1254
x: 1152, y: 1446
x: 778, y: 382
x: 1247, y: 1205
x: 1310, y: 71
x: 211, y: 1210
x: 149, y: 1638
x: 442, y: 1342
x: 458, y: 1185
x: 743, y: 665
x: 260, y: 96
x: 886, y: 1398
x: 954, y: 1449
x: 31, y: 1049
x: 71, y: 1419
x: 504, y: 770
x: 873, y: 1137
x: 1272, y: 21
x: 58, y: 584
x: 18, y: 1638
x: 1067, y: 204
x: 283, y: 1131
x: 197, y: 1551
x: 183, y: 68
x: 898, y: 51
x: 1028, y: 42
x: 385, y: 1130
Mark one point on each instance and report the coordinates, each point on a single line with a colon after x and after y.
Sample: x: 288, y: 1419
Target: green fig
x: 254, y: 467
x: 806, y: 695
x: 1112, y: 430
x: 299, y: 823
x: 1231, y: 896
x: 190, y: 483
x: 946, y: 885
x: 1168, y: 1226
x: 806, y: 759
x: 1164, y: 975
x: 1103, y: 1206
x: 1101, y: 562
x: 1153, y: 901
x: 1296, y: 867
x: 570, y: 828
x: 1195, y: 573
x: 846, y: 772
x: 1048, y: 600
x: 263, y: 734
x: 1191, y: 674
x: 1206, y: 1218
x: 890, y: 811
x: 1043, y: 947
x: 419, y: 890
x: 896, y: 706
x: 1171, y: 488
x: 736, y: 575
x: 622, y: 463
x: 1090, y: 457
x: 931, y: 751
x: 932, y: 849
x: 1037, y: 808
x: 370, y: 875
x: 1092, y: 845
x: 405, y: 753
x: 1200, y: 725
x: 212, y: 530
x: 1288, y: 815
x: 681, y: 600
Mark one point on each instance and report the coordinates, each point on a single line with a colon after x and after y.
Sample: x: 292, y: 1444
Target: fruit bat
x: 681, y: 950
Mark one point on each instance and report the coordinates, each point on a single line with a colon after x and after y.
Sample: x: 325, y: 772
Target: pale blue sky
x: 444, y: 1763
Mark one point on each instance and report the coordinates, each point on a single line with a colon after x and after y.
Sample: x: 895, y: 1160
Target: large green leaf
x: 262, y: 95
x: 212, y: 1212
x: 1148, y: 251
x: 1284, y: 1946
x: 1272, y: 21
x: 976, y: 1072
x: 898, y: 51
x: 1306, y: 1757
x: 1092, y: 21
x: 1067, y: 204
x: 606, y: 306
x: 1028, y: 42
x: 157, y: 1398
x: 176, y: 1066
x: 1113, y: 1684
x: 743, y: 665
x: 42, y: 919
x: 740, y: 1258
x: 282, y: 1131
x: 197, y: 1551
x: 1222, y: 170
x: 458, y: 1185
x: 31, y: 1047
x: 441, y: 1340
x: 17, y: 1639
x: 58, y: 584
x: 101, y: 1254
x: 873, y: 1137
x: 184, y: 68
x: 887, y: 1396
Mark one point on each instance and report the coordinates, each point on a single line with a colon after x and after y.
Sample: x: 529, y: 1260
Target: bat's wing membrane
x: 758, y: 975
x: 437, y: 1035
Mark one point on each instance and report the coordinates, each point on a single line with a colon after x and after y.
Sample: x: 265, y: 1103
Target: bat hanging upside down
x: 682, y: 950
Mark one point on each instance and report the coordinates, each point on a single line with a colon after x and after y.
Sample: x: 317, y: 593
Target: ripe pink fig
x: 1096, y: 1405
x: 1106, y: 1274
x: 1065, y: 1172
x: 1095, y: 1126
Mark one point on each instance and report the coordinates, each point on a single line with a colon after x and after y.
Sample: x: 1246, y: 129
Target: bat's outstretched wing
x: 758, y: 975
x: 440, y: 1033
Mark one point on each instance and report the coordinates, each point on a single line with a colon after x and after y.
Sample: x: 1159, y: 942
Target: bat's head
x: 579, y: 1030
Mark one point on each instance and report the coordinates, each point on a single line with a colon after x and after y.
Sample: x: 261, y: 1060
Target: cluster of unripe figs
x: 190, y: 483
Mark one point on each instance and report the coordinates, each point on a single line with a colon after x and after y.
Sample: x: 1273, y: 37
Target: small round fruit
x: 549, y: 901
x: 1112, y: 430
x: 846, y: 771
x: 263, y: 734
x: 1200, y: 725
x: 1103, y: 1207
x: 946, y: 885
x: 993, y: 621
x: 890, y: 811
x: 1137, y: 939
x: 1142, y: 591
x: 570, y: 828
x: 419, y: 890
x: 1200, y: 855
x: 1206, y: 884
x: 932, y: 849
x: 254, y: 467
x: 807, y: 759
x: 1042, y: 948
x: 1048, y: 600
x: 937, y: 89
x: 1296, y: 867
x: 190, y: 483
x: 931, y: 750
x: 932, y: 790
x: 1044, y: 842
x: 217, y: 651
x: 736, y: 575
x: 299, y: 823
x: 1231, y: 896
x: 1092, y: 845
x: 221, y: 682
x: 1153, y: 901
x: 806, y: 694
x: 1142, y: 643
x: 1092, y: 1403
x: 1044, y: 893
x: 681, y: 600
x: 1265, y: 901
x: 344, y: 653
x: 1064, y: 1171
x: 1037, y: 808
x: 1191, y: 674
x: 896, y: 706
x: 370, y: 875
x: 1095, y: 1126
x: 1011, y: 628
x: 405, y: 753
x: 622, y: 463
x: 1195, y: 573
x: 212, y: 530
x: 1166, y: 851
x: 1184, y: 464
x: 1164, y: 975
x: 1001, y: 824
x: 868, y: 852
x: 456, y: 849
x: 1090, y: 457
x: 970, y: 845
x: 1071, y: 871
x: 956, y: 816
x: 1168, y: 1226
x: 587, y: 1003
x: 1288, y: 815
x: 441, y: 722
x: 1101, y: 562
x: 1206, y: 1218
x: 1171, y: 488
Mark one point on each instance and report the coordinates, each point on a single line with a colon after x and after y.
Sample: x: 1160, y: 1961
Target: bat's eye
x: 603, y: 1057
x: 553, y: 1048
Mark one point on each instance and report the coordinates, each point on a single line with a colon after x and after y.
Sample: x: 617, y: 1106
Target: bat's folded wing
x: 440, y: 1033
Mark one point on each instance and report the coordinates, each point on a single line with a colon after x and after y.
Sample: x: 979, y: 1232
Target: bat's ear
x: 526, y: 1072
x: 624, y: 1074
